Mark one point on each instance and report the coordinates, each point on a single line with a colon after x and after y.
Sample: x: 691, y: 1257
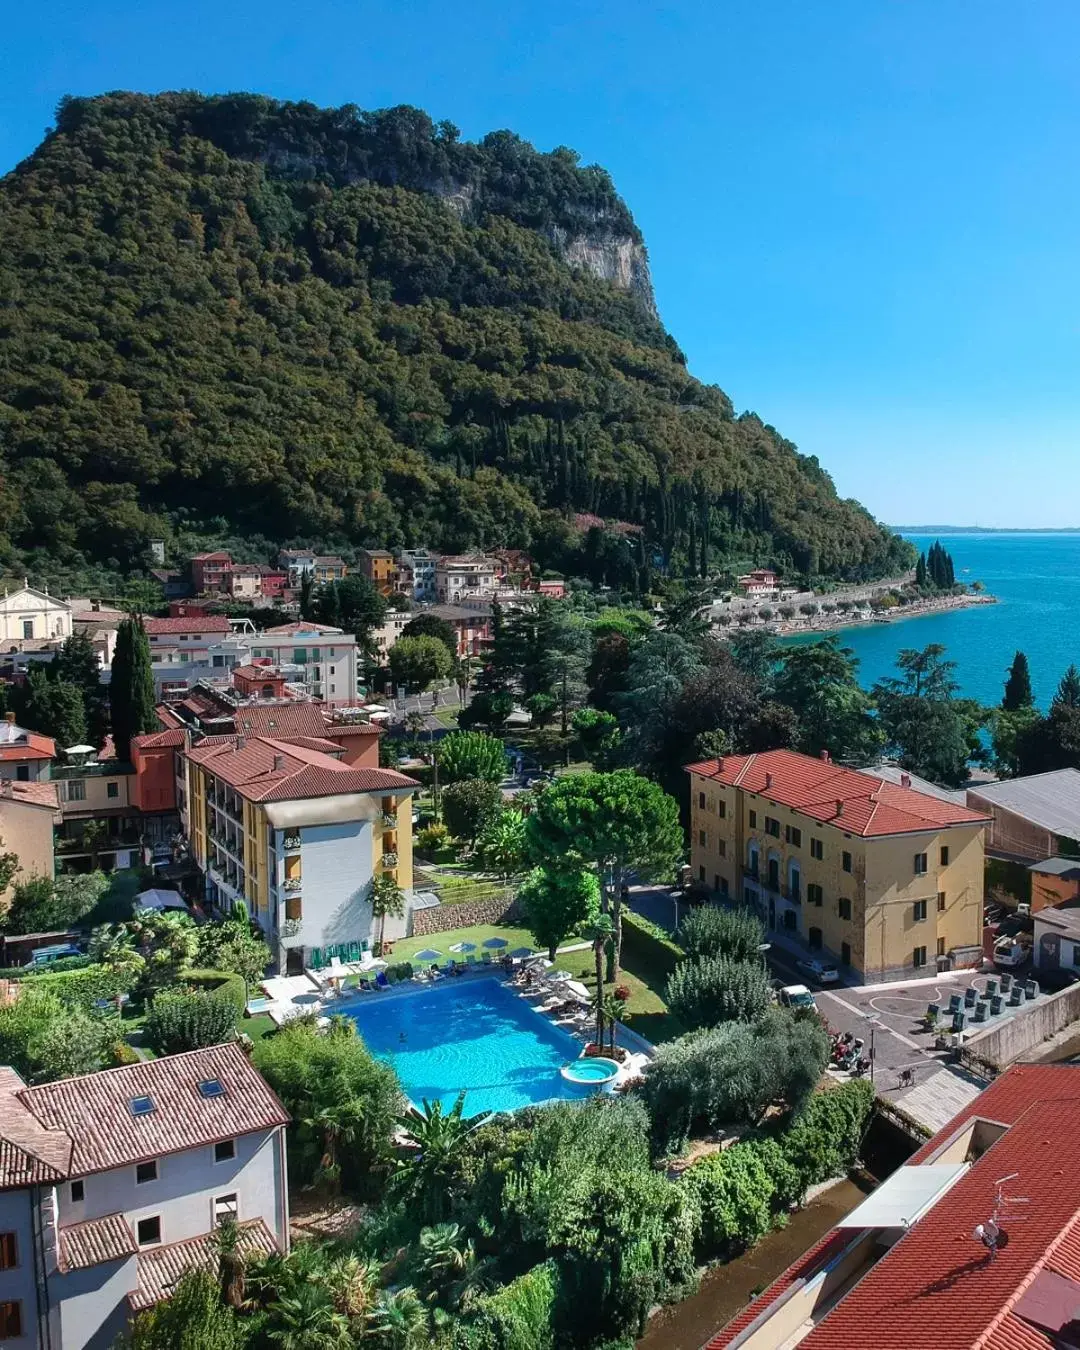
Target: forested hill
x: 229, y: 317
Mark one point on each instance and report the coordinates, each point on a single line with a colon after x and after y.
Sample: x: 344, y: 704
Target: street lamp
x: 870, y: 1019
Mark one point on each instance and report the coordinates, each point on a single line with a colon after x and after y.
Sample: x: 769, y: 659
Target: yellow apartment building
x: 296, y: 835
x: 884, y: 879
x: 28, y: 813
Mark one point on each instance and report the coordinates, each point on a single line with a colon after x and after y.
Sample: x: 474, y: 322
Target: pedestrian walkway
x: 937, y: 1099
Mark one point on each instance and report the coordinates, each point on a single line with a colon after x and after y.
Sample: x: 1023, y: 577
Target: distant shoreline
x: 984, y: 529
x: 831, y: 623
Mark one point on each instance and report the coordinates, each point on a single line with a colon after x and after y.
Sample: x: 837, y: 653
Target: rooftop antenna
x: 992, y: 1234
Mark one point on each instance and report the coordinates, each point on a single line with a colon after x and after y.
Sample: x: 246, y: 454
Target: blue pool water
x: 468, y: 1035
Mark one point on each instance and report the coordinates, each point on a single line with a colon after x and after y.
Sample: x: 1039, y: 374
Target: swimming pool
x: 468, y: 1035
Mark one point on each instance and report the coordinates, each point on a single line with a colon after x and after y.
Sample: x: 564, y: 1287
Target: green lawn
x: 405, y: 949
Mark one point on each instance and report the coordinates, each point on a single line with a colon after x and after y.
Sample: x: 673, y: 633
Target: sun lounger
x: 381, y: 982
x: 487, y: 958
x: 470, y: 959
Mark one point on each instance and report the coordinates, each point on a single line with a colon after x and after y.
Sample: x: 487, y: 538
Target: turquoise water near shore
x: 1036, y: 578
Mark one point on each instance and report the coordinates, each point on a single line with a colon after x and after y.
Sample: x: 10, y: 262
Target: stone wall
x: 1000, y: 1045
x: 496, y: 909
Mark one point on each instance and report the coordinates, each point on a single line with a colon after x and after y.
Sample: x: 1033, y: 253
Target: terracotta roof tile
x: 195, y: 623
x: 336, y: 729
x: 268, y: 770
x: 870, y: 806
x: 161, y: 1267
x: 157, y: 740
x: 17, y: 744
x: 96, y: 1241
x: 302, y: 628
x: 95, y: 1110
x: 34, y: 794
x: 30, y: 1154
x: 280, y: 719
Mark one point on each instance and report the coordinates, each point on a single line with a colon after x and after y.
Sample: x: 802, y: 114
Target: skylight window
x: 142, y: 1106
x: 211, y: 1087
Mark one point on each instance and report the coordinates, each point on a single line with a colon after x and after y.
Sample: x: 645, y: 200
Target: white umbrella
x: 576, y: 987
x: 79, y: 750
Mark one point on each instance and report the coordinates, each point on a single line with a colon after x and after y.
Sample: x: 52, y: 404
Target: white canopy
x: 158, y: 899
x: 904, y: 1198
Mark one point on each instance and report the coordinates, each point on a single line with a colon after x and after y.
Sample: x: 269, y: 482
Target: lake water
x: 1036, y: 578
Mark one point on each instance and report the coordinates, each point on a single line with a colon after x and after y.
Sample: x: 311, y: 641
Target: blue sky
x: 863, y: 218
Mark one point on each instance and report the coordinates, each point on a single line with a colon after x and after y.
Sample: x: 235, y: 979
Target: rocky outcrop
x: 615, y: 258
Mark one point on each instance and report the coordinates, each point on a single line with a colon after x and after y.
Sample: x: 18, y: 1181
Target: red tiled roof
x: 157, y: 740
x: 282, y: 720
x: 218, y: 556
x: 96, y: 1241
x: 194, y: 623
x: 167, y: 717
x: 335, y: 729
x: 870, y: 806
x: 33, y: 794
x: 28, y: 745
x: 30, y: 1155
x: 302, y: 628
x: 937, y: 1288
x: 267, y: 770
x: 94, y: 1111
x: 161, y: 1267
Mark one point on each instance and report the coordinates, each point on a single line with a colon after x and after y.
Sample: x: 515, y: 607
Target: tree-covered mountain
x: 230, y: 316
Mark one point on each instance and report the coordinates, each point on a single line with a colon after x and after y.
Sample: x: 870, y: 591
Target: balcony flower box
x: 292, y: 885
x: 390, y: 859
x: 292, y: 841
x: 389, y: 820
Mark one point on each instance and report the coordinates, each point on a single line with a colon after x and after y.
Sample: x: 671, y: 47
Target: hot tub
x: 584, y: 1076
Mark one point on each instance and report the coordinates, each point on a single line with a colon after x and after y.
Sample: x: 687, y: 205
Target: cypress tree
x: 131, y: 688
x: 1018, y: 686
x: 920, y: 572
x: 1068, y: 691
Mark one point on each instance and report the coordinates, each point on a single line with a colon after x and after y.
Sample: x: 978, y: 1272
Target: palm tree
x: 306, y: 1319
x: 225, y: 1240
x: 439, y: 1136
x: 353, y: 1284
x: 607, y: 1008
x: 399, y: 1322
x: 448, y: 1266
x: 338, y: 1123
x: 387, y: 898
x: 600, y: 932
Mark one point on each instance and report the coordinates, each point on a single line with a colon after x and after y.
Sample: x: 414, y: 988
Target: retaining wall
x: 497, y: 909
x: 998, y: 1046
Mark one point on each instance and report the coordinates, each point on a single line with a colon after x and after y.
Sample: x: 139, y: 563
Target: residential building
x: 28, y: 615
x: 416, y: 573
x: 553, y: 587
x: 1031, y: 818
x: 101, y: 625
x: 174, y: 583
x: 186, y: 637
x: 26, y: 756
x: 300, y: 561
x: 275, y: 582
x: 388, y: 632
x: 457, y: 575
x: 320, y: 658
x: 29, y: 811
x: 472, y: 626
x: 885, y: 879
x: 380, y: 567
x: 975, y: 1242
x: 758, y: 584
x: 208, y: 572
x: 243, y: 581
x: 297, y: 834
x: 100, y: 826
x: 112, y: 1185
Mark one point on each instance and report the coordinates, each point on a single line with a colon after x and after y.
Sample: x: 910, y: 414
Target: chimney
x: 905, y: 780
x: 826, y: 756
x: 719, y: 763
x: 279, y: 763
x: 768, y: 780
x: 9, y: 718
x: 241, y: 741
x: 839, y: 806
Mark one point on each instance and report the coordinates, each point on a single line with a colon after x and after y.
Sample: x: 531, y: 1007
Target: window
x: 918, y: 911
x: 149, y: 1231
x: 814, y: 893
x: 76, y: 791
x: 9, y: 1251
x: 843, y: 908
x: 845, y: 861
x: 813, y: 937
x: 918, y: 957
x: 78, y: 1192
x: 112, y: 789
x: 701, y: 872
x: 753, y: 820
x: 721, y: 845
x: 210, y: 1088
x: 702, y: 838
x: 817, y: 849
x: 145, y: 1171
x: 333, y: 670
x: 701, y: 801
x: 944, y: 857
x: 721, y: 808
x: 941, y: 902
x: 793, y: 836
x: 772, y: 826
x: 300, y: 656
x: 920, y: 864
x: 10, y: 1320
x: 723, y: 888
x: 224, y: 1150
x: 845, y: 953
x: 225, y: 1207
x: 141, y: 1106
x: 316, y: 654
x: 294, y: 907
x: 941, y: 946
x: 22, y: 773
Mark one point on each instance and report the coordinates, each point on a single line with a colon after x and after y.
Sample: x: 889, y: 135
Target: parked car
x: 796, y: 996
x: 1009, y: 953
x: 821, y: 972
x: 45, y: 956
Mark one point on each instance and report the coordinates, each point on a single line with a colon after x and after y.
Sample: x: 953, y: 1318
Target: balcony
x: 292, y: 842
x: 389, y: 820
x: 292, y: 885
x: 389, y: 860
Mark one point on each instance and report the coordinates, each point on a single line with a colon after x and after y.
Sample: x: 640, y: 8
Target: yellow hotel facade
x: 881, y: 878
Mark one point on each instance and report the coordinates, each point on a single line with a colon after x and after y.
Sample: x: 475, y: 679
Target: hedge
x: 80, y: 988
x: 221, y: 982
x: 641, y: 937
x: 53, y: 968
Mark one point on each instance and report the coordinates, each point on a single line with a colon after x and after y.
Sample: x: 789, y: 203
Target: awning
x: 904, y: 1198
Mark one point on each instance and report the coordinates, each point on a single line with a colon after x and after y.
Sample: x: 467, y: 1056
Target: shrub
x: 711, y: 931
x: 468, y: 806
x: 467, y: 755
x: 712, y: 989
x: 519, y: 1316
x: 83, y: 987
x: 120, y: 1053
x: 221, y: 982
x: 65, y: 963
x: 42, y: 905
x: 825, y: 1137
x: 432, y: 838
x: 735, y: 1194
x: 179, y: 1021
x: 650, y: 942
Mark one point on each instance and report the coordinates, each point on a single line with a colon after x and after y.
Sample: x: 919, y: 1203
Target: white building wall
x: 92, y: 1304
x: 16, y: 1216
x: 336, y: 869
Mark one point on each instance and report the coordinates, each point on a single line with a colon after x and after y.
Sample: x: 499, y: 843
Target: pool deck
x: 293, y: 996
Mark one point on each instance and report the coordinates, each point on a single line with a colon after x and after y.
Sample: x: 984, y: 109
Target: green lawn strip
x: 405, y: 949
